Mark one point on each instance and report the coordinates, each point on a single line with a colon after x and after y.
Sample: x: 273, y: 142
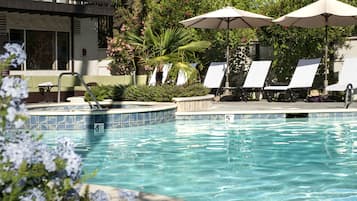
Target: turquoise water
x: 213, y: 160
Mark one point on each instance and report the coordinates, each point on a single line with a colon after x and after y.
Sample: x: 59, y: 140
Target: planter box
x: 193, y: 104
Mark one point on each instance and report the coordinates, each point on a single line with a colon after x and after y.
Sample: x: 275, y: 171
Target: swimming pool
x: 282, y: 159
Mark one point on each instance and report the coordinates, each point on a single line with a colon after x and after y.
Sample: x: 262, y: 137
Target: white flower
x: 11, y: 114
x: 16, y: 90
x: 47, y: 158
x: 19, y: 149
x: 65, y: 150
x: 8, y: 189
x: 17, y: 50
x: 16, y: 153
x: 33, y: 195
x: 99, y: 195
x: 128, y: 195
x: 14, y: 87
x: 19, y: 123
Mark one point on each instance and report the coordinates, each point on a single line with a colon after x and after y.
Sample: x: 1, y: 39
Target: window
x: 105, y: 29
x: 40, y: 49
x: 46, y: 50
x: 62, y: 50
x: 16, y: 36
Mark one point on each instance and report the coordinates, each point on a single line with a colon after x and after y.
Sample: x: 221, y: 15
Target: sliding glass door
x: 46, y: 50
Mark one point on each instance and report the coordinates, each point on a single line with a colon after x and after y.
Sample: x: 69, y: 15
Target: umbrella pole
x: 227, y: 56
x: 325, y: 60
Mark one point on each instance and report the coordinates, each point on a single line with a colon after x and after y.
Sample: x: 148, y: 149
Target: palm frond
x: 191, y: 72
x: 195, y: 46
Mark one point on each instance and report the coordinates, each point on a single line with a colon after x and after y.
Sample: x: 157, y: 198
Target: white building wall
x: 87, y: 55
x: 86, y: 39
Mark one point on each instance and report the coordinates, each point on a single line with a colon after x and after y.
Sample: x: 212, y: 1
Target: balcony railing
x: 81, y: 2
x: 60, y: 7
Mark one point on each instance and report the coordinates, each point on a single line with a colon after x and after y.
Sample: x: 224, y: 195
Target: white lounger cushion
x: 346, y: 76
x: 165, y: 72
x: 257, y: 74
x: 215, y: 74
x: 303, y: 76
x: 182, y: 77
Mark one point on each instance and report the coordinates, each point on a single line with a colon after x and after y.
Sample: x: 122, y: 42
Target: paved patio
x: 241, y: 107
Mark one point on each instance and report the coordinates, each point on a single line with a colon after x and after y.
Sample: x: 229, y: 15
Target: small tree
x: 176, y: 46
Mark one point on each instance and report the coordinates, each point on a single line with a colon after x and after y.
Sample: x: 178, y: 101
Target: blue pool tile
x: 34, y: 120
x: 43, y: 119
x: 133, y: 117
x: 141, y: 116
x: 52, y: 126
x: 61, y: 126
x: 110, y: 118
x: 79, y: 118
x: 125, y: 118
x: 69, y: 119
x: 60, y: 119
x: 43, y: 127
x: 118, y: 118
x: 52, y: 120
x: 69, y: 126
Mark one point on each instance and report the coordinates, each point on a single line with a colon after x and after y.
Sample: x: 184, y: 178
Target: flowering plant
x: 29, y: 169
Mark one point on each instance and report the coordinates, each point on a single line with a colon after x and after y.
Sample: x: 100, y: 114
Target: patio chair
x: 255, y: 79
x: 165, y: 71
x: 182, y: 77
x: 347, y: 80
x: 214, y: 75
x: 302, y: 78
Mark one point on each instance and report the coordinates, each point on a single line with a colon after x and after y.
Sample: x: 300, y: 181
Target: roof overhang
x: 53, y: 8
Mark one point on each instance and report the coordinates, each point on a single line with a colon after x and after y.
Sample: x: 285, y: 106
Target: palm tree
x: 176, y: 46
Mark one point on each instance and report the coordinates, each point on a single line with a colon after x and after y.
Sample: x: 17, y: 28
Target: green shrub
x: 118, y: 92
x: 163, y: 93
x: 193, y: 90
x: 100, y: 92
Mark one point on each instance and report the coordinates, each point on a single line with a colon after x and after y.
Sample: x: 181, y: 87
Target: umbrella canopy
x: 227, y: 18
x: 322, y: 13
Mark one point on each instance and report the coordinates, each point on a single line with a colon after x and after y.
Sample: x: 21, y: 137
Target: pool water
x: 279, y: 159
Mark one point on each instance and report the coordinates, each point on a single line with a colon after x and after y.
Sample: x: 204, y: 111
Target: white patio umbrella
x: 322, y: 13
x: 227, y: 18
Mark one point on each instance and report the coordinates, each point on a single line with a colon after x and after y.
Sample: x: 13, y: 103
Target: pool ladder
x: 83, y: 83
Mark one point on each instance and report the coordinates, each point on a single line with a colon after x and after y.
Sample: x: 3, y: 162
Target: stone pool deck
x: 231, y: 110
x: 240, y: 107
x: 263, y: 105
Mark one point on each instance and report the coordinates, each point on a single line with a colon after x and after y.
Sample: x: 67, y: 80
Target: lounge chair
x: 302, y: 78
x: 182, y: 77
x: 347, y: 80
x: 165, y: 71
x: 255, y: 78
x: 214, y: 75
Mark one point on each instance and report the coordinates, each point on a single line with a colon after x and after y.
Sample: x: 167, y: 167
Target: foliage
x: 122, y: 54
x: 163, y: 93
x: 293, y: 43
x: 174, y: 45
x: 29, y: 169
x: 128, y: 17
x: 100, y: 92
x: 162, y: 15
